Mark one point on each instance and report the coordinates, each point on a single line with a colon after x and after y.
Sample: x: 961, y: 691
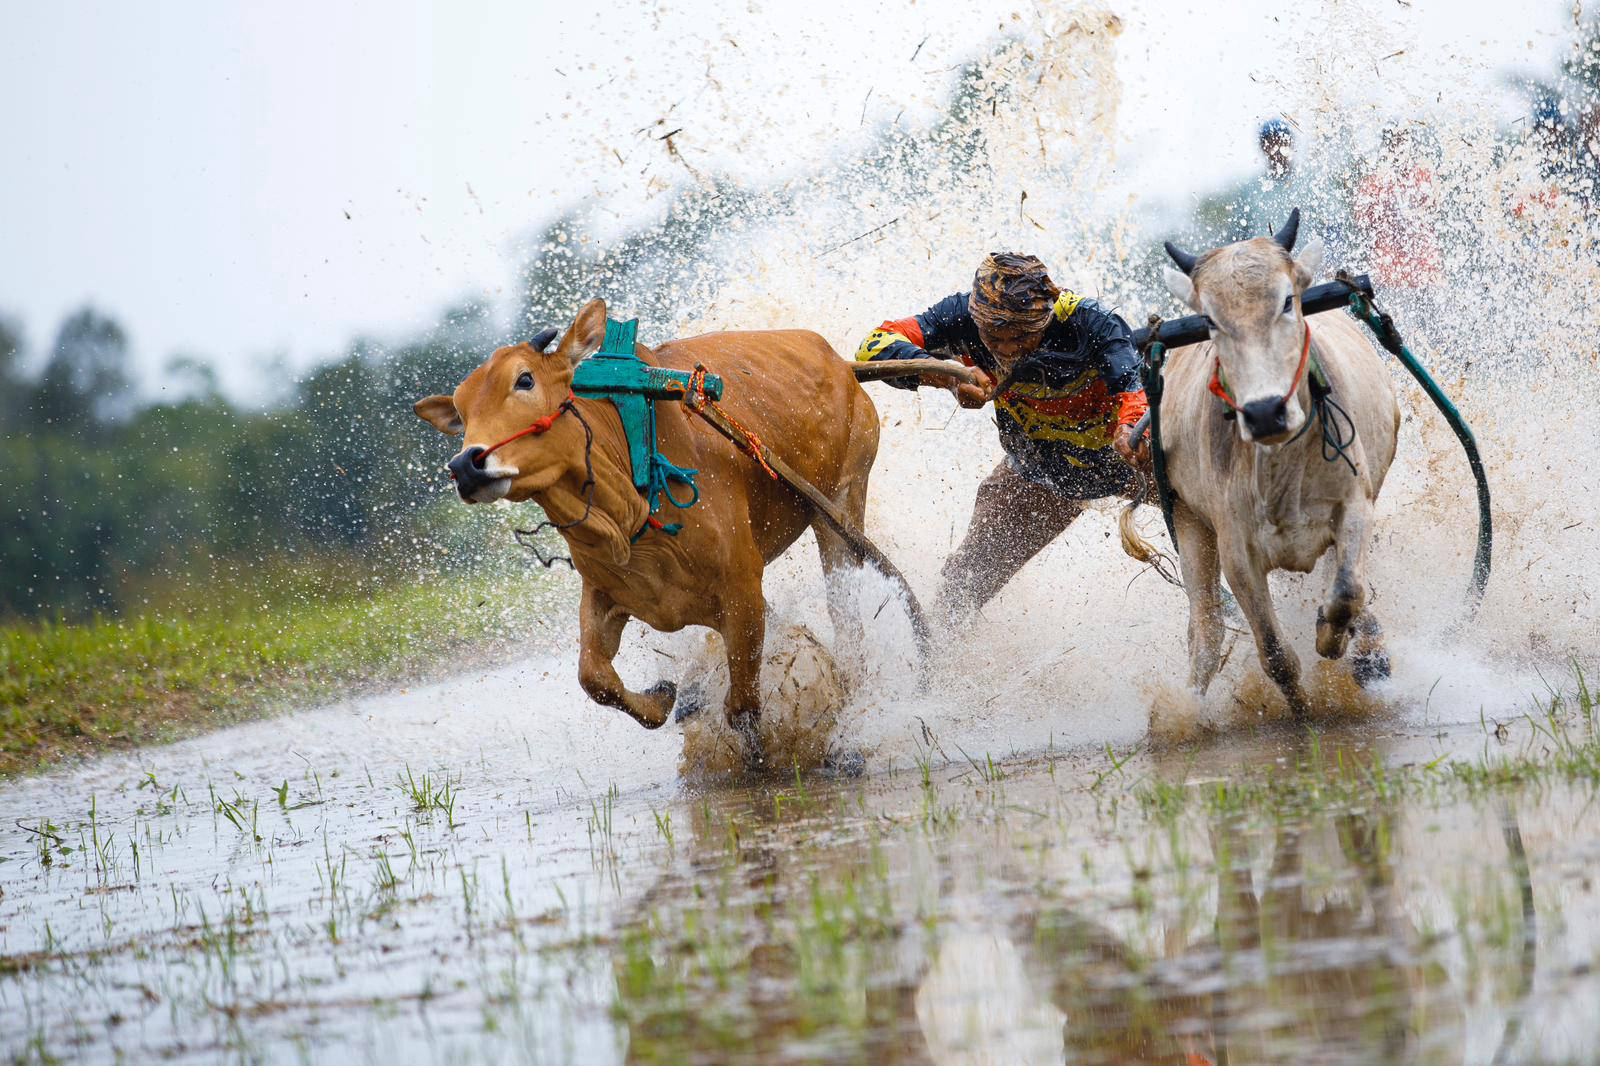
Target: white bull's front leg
x: 1197, y: 556
x: 1247, y: 577
x: 1345, y: 613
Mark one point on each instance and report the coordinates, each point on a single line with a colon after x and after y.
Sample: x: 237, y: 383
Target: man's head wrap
x: 1012, y: 296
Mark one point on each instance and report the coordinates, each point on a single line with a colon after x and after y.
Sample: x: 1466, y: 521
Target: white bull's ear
x: 1309, y: 262
x: 1179, y: 285
x: 587, y: 333
x: 440, y: 412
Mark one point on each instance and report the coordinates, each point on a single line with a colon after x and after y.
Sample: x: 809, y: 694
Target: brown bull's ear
x: 588, y: 332
x: 440, y: 412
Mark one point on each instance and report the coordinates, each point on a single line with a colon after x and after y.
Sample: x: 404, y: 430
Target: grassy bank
x: 71, y: 689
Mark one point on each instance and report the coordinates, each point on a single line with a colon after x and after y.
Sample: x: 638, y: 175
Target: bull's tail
x: 1136, y: 546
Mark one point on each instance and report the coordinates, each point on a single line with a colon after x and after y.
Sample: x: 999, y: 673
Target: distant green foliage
x: 110, y: 507
x: 103, y: 503
x: 68, y: 689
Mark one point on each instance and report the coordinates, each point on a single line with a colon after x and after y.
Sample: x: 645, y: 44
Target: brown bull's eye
x: 524, y: 381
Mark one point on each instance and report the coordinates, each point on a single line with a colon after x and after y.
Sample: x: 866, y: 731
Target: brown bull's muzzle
x: 479, y: 481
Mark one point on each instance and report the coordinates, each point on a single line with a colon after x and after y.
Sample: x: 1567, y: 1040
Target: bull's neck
x: 593, y: 520
x: 1278, y: 472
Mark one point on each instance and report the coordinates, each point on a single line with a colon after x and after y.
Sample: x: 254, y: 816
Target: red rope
x: 1220, y: 391
x: 539, y: 427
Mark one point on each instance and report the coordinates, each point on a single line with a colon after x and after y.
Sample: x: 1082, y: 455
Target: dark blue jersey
x: 1058, y: 408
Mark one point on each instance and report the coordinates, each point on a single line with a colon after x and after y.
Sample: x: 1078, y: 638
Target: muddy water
x: 294, y: 889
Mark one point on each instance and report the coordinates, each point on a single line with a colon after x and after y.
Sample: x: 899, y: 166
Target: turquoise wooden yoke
x: 633, y: 386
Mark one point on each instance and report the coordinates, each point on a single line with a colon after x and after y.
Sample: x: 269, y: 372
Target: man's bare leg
x: 1012, y: 521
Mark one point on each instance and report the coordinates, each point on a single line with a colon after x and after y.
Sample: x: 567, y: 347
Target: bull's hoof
x: 691, y: 701
x: 1369, y: 666
x: 1332, y: 640
x: 747, y: 727
x: 1299, y: 704
x: 664, y: 694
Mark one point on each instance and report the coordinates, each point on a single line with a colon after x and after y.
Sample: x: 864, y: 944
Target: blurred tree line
x: 112, y: 505
x: 109, y: 503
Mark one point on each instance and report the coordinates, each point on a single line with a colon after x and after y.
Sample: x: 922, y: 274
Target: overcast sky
x: 241, y: 180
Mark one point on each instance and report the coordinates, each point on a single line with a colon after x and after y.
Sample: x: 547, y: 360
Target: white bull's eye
x: 1288, y: 303
x: 524, y: 381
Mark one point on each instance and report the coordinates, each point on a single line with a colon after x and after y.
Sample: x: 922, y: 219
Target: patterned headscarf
x: 1012, y: 295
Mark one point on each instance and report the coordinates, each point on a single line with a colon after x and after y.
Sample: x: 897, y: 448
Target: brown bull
x: 789, y: 387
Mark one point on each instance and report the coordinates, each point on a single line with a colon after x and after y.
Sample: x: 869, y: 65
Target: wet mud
x: 325, y: 886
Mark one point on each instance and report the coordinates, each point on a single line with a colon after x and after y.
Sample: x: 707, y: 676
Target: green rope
x: 1383, y: 326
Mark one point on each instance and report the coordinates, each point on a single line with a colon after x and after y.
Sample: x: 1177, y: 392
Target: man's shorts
x: 1105, y: 475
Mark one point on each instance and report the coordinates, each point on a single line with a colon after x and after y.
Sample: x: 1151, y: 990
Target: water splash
x: 1025, y: 157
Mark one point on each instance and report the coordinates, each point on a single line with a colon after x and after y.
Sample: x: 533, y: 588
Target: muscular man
x: 1064, y: 379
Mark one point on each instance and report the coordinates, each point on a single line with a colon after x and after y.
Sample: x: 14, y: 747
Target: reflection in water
x: 739, y: 948
x: 1175, y: 909
x: 1219, y: 937
x: 1511, y: 829
x: 1286, y: 968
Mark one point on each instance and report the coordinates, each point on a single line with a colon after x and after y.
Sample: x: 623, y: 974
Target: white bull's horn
x: 1290, y: 231
x: 1184, y: 260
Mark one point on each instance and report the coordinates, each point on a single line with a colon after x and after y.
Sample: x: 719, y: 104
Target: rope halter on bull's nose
x: 1219, y: 386
x: 1338, y: 430
x: 539, y: 427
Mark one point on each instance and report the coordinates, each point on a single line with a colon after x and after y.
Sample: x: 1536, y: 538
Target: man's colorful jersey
x: 1064, y: 402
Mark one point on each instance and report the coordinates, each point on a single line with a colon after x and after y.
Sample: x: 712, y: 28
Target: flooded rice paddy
x: 492, y: 869
x: 327, y: 887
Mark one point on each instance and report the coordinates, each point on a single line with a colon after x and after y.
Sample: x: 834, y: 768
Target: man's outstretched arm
x: 900, y: 338
x: 943, y: 331
x: 1120, y: 369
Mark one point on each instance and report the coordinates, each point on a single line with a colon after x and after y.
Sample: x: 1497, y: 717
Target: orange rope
x: 1220, y: 390
x: 540, y: 426
x: 695, y: 396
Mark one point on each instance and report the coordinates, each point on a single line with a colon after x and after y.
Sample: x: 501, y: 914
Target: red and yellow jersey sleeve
x: 892, y: 340
x: 1131, y: 407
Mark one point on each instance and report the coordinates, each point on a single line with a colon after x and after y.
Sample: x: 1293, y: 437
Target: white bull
x: 1254, y: 492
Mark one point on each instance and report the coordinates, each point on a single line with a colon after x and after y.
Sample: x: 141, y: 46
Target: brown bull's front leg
x: 1248, y: 580
x: 600, y: 625
x: 743, y: 635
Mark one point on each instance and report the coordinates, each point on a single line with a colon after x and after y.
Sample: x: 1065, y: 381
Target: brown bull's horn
x: 541, y: 340
x: 1184, y: 260
x: 1291, y: 230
